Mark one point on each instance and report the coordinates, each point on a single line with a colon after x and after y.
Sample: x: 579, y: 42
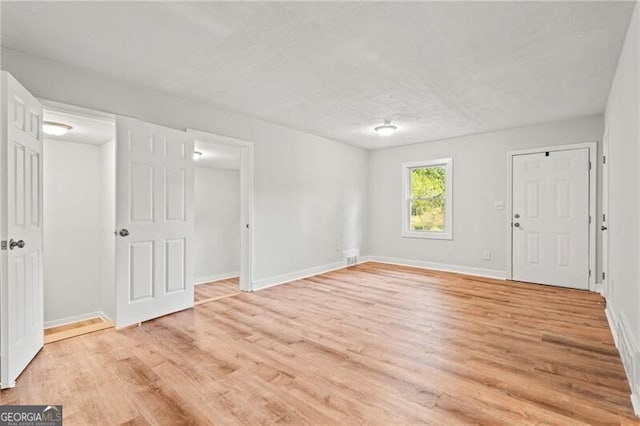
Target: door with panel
x: 22, y: 327
x: 551, y: 218
x: 155, y: 218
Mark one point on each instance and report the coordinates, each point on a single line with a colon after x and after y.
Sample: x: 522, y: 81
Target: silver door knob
x: 13, y: 244
x: 517, y: 225
x: 123, y: 232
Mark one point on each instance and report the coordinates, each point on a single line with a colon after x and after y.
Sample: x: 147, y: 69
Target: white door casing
x: 246, y: 218
x: 154, y: 204
x: 550, y: 216
x: 22, y: 328
x: 246, y: 201
x: 607, y: 289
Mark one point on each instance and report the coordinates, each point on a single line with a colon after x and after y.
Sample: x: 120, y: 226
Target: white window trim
x: 448, y: 207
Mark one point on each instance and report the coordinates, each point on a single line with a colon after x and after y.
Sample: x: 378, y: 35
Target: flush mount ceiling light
x: 52, y: 128
x: 386, y: 129
x: 196, y: 155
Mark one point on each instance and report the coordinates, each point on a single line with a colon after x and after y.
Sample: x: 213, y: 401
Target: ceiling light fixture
x: 196, y: 155
x: 386, y: 129
x: 52, y: 128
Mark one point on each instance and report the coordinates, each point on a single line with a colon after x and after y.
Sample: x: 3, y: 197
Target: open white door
x: 154, y: 216
x: 551, y: 218
x: 22, y: 328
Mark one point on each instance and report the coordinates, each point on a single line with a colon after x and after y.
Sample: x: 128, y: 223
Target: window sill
x: 427, y: 235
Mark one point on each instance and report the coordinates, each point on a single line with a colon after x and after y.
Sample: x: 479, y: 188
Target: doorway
x: 78, y: 217
x: 246, y: 199
x: 217, y: 225
x: 552, y: 216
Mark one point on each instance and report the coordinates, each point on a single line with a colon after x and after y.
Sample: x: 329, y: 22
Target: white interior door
x: 551, y: 218
x: 154, y: 216
x: 21, y: 154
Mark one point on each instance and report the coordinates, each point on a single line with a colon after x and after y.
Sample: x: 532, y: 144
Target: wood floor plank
x: 216, y: 289
x: 371, y: 344
x: 75, y: 329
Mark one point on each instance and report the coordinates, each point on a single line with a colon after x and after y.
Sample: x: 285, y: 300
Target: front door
x: 551, y: 218
x: 22, y: 326
x: 155, y: 218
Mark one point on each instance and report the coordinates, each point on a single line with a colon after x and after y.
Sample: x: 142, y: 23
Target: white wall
x: 217, y: 224
x: 72, y: 229
x: 108, y: 211
x: 479, y: 179
x: 310, y: 192
x: 622, y: 118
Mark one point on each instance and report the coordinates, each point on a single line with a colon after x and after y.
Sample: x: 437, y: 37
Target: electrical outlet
x: 498, y: 205
x: 486, y: 255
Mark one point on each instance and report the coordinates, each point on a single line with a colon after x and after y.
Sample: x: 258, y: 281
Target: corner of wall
x: 264, y: 283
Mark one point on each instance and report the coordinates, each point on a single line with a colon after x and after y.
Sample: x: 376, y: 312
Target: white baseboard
x: 76, y: 318
x: 263, y: 283
x: 629, y: 353
x: 218, y: 277
x: 306, y: 273
x: 608, y: 312
x: 468, y: 270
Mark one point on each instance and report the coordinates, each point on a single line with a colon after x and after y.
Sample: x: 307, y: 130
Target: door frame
x: 246, y: 201
x: 98, y: 116
x: 593, y: 167
x: 606, y: 290
x: 94, y: 114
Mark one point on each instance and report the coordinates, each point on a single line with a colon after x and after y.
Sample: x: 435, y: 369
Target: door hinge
x: 589, y: 165
x: 589, y: 218
x: 589, y: 273
x: 604, y: 159
x: 604, y: 217
x: 604, y: 276
x: 3, y: 245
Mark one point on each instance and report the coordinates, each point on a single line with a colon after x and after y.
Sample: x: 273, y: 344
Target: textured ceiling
x: 335, y: 69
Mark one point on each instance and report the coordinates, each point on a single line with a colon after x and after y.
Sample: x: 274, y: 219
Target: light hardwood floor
x: 372, y: 344
x: 75, y: 329
x: 216, y: 290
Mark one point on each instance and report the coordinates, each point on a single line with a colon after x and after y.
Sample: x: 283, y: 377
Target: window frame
x: 447, y: 234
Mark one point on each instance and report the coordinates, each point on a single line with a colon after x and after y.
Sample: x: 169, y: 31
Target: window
x: 426, y: 208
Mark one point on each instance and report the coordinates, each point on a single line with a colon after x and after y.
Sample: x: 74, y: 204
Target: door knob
x: 517, y: 225
x: 517, y: 215
x: 13, y: 244
x: 124, y: 232
x: 603, y: 228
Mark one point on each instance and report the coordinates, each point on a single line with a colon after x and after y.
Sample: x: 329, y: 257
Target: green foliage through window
x: 428, y: 198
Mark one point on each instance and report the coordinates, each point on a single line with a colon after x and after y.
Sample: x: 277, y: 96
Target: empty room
x: 319, y: 213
